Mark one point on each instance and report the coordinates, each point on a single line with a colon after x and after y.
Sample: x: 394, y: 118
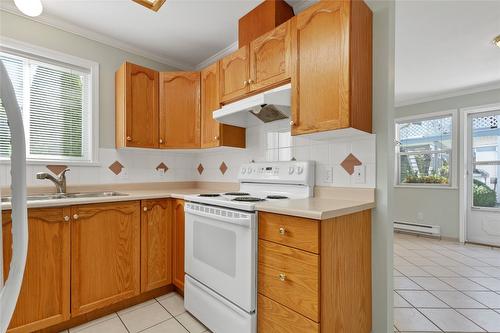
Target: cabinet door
x: 44, y: 297
x: 234, y: 75
x: 156, y: 244
x: 180, y: 110
x: 320, y: 73
x: 136, y: 107
x: 178, y: 256
x: 270, y: 58
x: 105, y: 250
x: 210, y: 129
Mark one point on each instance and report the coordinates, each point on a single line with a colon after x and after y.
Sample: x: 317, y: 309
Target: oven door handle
x: 243, y: 222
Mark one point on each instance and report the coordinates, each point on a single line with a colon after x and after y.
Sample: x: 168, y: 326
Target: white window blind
x: 55, y: 103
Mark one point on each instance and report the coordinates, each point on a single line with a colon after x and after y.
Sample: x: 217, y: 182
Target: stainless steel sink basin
x: 57, y: 196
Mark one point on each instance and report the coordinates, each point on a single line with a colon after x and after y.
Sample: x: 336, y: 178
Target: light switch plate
x: 359, y: 174
x: 328, y: 175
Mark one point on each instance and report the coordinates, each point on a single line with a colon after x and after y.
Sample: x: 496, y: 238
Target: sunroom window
x: 424, y: 149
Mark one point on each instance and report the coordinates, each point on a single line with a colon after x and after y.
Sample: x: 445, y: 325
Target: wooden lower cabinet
x: 178, y: 242
x: 327, y: 290
x: 45, y: 293
x: 105, y: 250
x: 156, y: 244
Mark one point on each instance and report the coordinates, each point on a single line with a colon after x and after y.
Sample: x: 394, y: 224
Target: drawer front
x: 289, y: 277
x: 275, y: 318
x: 291, y: 231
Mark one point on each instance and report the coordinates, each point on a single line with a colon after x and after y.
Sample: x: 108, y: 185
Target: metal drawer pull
x: 66, y: 218
x: 282, y: 277
x: 75, y: 217
x: 282, y: 231
x: 145, y: 209
x: 129, y: 138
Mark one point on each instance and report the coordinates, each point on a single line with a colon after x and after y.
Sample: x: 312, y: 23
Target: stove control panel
x: 290, y: 172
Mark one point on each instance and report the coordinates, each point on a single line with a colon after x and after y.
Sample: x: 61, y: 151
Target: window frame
x: 452, y: 178
x: 37, y: 52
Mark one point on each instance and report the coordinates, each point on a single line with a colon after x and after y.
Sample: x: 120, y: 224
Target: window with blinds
x: 55, y: 104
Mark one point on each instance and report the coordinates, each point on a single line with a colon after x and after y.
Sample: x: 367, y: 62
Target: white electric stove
x: 221, y: 243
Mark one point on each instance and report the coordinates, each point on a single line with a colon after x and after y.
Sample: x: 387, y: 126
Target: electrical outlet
x: 328, y: 175
x: 123, y: 174
x: 359, y: 174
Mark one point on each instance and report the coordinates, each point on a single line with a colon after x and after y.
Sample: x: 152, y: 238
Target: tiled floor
x: 165, y: 314
x: 443, y: 286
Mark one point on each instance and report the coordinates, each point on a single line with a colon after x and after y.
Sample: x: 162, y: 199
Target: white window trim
x: 93, y: 128
x: 453, y: 185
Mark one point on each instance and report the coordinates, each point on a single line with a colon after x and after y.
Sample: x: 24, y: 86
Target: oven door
x: 221, y: 251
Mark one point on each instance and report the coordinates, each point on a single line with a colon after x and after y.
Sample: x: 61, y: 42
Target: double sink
x: 57, y: 196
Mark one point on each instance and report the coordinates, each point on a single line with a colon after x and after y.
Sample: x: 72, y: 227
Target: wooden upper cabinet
x: 180, y: 110
x: 45, y: 293
x: 105, y: 250
x: 332, y: 71
x: 156, y: 244
x: 234, y: 75
x: 214, y: 134
x: 270, y: 58
x: 136, y: 107
x: 178, y: 242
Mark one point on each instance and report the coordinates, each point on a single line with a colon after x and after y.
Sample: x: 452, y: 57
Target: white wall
x: 109, y: 59
x: 437, y: 206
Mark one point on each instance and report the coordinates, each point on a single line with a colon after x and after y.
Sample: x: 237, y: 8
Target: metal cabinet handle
x: 250, y: 81
x: 129, y: 138
x: 75, y: 217
x: 282, y: 277
x: 67, y: 218
x: 292, y: 122
x: 245, y: 82
x: 145, y: 209
x: 161, y: 140
x: 216, y: 137
x: 282, y: 231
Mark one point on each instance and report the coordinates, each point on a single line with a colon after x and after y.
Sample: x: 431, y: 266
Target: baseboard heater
x: 415, y: 228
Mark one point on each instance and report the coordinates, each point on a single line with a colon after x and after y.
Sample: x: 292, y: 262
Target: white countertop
x: 319, y: 208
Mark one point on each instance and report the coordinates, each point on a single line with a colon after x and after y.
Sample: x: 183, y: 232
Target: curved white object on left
x: 10, y: 291
x: 29, y: 7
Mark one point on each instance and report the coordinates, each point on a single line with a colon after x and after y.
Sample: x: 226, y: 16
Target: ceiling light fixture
x: 151, y: 4
x: 29, y: 7
x: 496, y: 41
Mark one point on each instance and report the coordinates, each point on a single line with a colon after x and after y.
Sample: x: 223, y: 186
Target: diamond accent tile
x: 200, y: 168
x: 57, y: 169
x: 349, y: 163
x: 162, y: 166
x: 223, y: 168
x: 116, y: 167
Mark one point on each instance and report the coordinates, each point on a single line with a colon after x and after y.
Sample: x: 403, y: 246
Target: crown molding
x: 225, y: 51
x: 455, y: 93
x: 92, y: 35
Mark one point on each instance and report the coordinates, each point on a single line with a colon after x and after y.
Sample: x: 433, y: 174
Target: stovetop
x: 237, y: 200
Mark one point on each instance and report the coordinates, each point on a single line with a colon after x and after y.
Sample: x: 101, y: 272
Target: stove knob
x: 249, y: 170
x: 243, y: 171
x: 300, y: 170
x: 290, y: 170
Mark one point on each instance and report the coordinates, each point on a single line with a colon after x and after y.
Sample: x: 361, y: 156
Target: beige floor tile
x: 431, y: 283
x: 463, y: 284
x: 488, y: 298
x: 113, y: 325
x: 137, y: 306
x: 450, y: 320
x: 143, y: 317
x: 400, y: 302
x: 412, y: 271
x: 174, y: 304
x: 420, y: 261
x: 396, y: 273
x: 457, y: 299
x: 487, y: 319
x: 467, y: 271
x: 491, y: 271
x: 422, y: 299
x: 412, y: 320
x: 439, y: 271
x: 169, y: 326
x: 92, y: 323
x: 488, y: 282
x: 404, y: 283
x: 190, y: 323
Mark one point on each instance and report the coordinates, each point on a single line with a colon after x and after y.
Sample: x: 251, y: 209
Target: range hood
x: 262, y: 108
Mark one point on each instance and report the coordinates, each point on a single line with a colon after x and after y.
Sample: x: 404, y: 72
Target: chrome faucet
x: 60, y: 181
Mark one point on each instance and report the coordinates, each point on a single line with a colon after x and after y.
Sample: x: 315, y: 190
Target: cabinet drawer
x: 275, y: 318
x: 290, y: 231
x: 289, y: 277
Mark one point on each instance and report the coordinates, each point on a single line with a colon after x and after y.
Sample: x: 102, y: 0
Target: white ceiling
x: 444, y: 48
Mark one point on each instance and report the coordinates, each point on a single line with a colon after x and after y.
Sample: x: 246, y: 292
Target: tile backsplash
x: 268, y: 142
